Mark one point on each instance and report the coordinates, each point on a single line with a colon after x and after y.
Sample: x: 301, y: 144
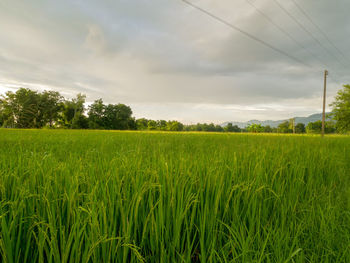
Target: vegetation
x: 341, y: 110
x: 30, y: 109
x: 316, y: 127
x: 101, y: 196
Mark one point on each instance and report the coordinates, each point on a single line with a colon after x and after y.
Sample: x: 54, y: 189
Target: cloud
x: 168, y: 60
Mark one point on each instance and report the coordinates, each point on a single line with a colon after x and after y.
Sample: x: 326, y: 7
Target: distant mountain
x: 274, y: 124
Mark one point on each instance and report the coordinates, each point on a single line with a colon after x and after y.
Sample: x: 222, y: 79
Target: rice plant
x: 99, y: 196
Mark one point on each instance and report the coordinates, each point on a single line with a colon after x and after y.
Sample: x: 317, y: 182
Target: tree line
x: 26, y: 108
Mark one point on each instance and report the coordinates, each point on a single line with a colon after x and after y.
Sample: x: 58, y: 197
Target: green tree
x: 175, y: 126
x: 314, y: 127
x: 218, y: 128
x: 141, y: 124
x: 199, y: 127
x: 284, y: 127
x: 341, y: 110
x: 96, y: 115
x: 117, y: 117
x: 152, y: 125
x: 50, y: 105
x: 2, y: 113
x: 232, y: 128
x: 72, y: 112
x: 300, y: 128
x: 267, y: 129
x: 21, y: 109
x: 162, y: 125
x: 255, y: 128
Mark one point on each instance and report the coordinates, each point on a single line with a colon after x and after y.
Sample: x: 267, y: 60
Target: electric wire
x: 251, y: 36
x: 308, y: 32
x: 247, y: 34
x: 285, y: 32
x: 319, y: 28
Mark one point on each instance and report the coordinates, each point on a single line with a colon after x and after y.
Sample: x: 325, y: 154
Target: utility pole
x: 324, y: 102
x: 292, y: 124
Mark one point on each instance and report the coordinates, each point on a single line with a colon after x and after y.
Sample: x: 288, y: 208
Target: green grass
x: 94, y: 196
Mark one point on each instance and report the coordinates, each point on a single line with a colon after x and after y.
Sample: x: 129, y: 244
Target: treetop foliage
x: 26, y: 108
x: 341, y: 110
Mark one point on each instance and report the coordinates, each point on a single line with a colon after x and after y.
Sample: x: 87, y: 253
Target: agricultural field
x: 102, y: 196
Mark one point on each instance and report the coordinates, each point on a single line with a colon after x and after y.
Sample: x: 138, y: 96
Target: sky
x: 168, y: 60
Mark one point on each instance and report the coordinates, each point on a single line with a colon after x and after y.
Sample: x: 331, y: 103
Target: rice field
x: 99, y: 196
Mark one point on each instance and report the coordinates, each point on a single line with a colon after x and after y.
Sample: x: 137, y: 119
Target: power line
x: 318, y: 28
x: 307, y: 31
x: 249, y: 35
x: 246, y: 33
x: 285, y: 32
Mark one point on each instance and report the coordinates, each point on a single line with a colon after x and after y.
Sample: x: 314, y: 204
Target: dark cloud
x: 167, y: 55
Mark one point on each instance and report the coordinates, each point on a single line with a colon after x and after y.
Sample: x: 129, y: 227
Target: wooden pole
x: 294, y: 125
x: 324, y: 102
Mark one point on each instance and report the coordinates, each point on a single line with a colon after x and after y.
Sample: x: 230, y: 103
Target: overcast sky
x: 168, y: 60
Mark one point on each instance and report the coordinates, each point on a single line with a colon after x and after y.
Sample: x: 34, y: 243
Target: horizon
x: 167, y: 60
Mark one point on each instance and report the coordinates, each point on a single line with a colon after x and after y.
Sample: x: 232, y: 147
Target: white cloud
x: 170, y: 61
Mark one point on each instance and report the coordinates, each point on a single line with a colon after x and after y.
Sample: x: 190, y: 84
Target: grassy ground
x: 95, y: 196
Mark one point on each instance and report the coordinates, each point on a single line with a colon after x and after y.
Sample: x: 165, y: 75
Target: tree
x: 199, y: 127
x: 284, y: 127
x: 152, y: 125
x: 117, y: 117
x: 175, y: 126
x: 218, y: 128
x: 255, y: 128
x: 2, y: 113
x: 341, y: 110
x: 96, y: 115
x: 162, y: 125
x: 50, y: 105
x: 300, y: 128
x: 268, y: 129
x: 72, y: 112
x: 316, y: 127
x: 141, y: 124
x: 21, y: 109
x: 232, y: 128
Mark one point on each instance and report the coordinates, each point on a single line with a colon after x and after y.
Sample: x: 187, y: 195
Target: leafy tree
x: 255, y: 128
x: 268, y: 129
x: 132, y: 124
x: 300, y: 128
x: 341, y: 110
x: 211, y: 127
x: 284, y: 127
x: 72, y: 112
x: 175, y: 126
x: 3, y: 117
x: 152, y: 125
x: 51, y: 103
x: 218, y: 128
x: 21, y: 109
x: 141, y: 124
x: 199, y: 127
x: 162, y: 125
x: 314, y: 127
x: 330, y: 127
x: 96, y: 115
x: 232, y: 128
x: 117, y: 117
x: 80, y: 121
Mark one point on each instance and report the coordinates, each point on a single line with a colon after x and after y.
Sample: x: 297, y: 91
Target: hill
x: 304, y: 120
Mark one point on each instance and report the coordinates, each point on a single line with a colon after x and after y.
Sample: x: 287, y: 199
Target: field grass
x: 95, y: 196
